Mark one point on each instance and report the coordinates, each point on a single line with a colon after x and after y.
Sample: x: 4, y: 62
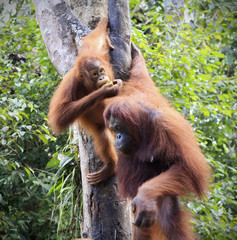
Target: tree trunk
x: 120, y: 34
x: 106, y: 217
x: 89, y: 11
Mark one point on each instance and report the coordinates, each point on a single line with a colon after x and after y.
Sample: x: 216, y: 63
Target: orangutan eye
x: 102, y: 70
x: 94, y: 74
x: 116, y: 129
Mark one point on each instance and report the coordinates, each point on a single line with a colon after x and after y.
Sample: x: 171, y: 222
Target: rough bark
x: 89, y: 11
x: 61, y: 32
x: 120, y: 34
x: 106, y: 217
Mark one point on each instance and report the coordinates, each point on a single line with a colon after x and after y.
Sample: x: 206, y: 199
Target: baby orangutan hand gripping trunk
x: 158, y: 157
x: 80, y: 97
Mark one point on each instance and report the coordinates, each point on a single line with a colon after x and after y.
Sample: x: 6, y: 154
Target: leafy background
x: 193, y: 64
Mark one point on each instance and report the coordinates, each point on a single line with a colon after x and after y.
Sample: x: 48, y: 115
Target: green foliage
x: 194, y: 66
x: 67, y: 188
x: 33, y: 198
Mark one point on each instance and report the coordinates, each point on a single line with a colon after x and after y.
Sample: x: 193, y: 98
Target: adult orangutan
x: 158, y: 157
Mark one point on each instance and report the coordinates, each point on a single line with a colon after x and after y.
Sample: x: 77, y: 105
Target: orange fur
x: 164, y: 163
x: 77, y: 99
x: 157, y: 129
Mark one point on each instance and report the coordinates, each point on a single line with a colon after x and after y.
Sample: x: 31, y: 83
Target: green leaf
x: 218, y: 54
x: 27, y: 171
x: 52, y: 163
x: 43, y: 138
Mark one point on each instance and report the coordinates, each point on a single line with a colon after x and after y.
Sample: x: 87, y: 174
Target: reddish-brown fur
x: 167, y: 161
x: 173, y: 223
x: 157, y: 129
x: 77, y: 98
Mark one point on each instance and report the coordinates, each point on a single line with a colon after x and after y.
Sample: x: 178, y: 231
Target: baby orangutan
x: 80, y: 97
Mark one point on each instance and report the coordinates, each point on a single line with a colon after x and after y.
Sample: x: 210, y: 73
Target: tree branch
x: 120, y: 34
x: 61, y: 32
x: 106, y: 217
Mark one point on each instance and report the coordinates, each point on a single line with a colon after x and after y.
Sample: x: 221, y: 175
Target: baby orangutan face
x: 94, y: 72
